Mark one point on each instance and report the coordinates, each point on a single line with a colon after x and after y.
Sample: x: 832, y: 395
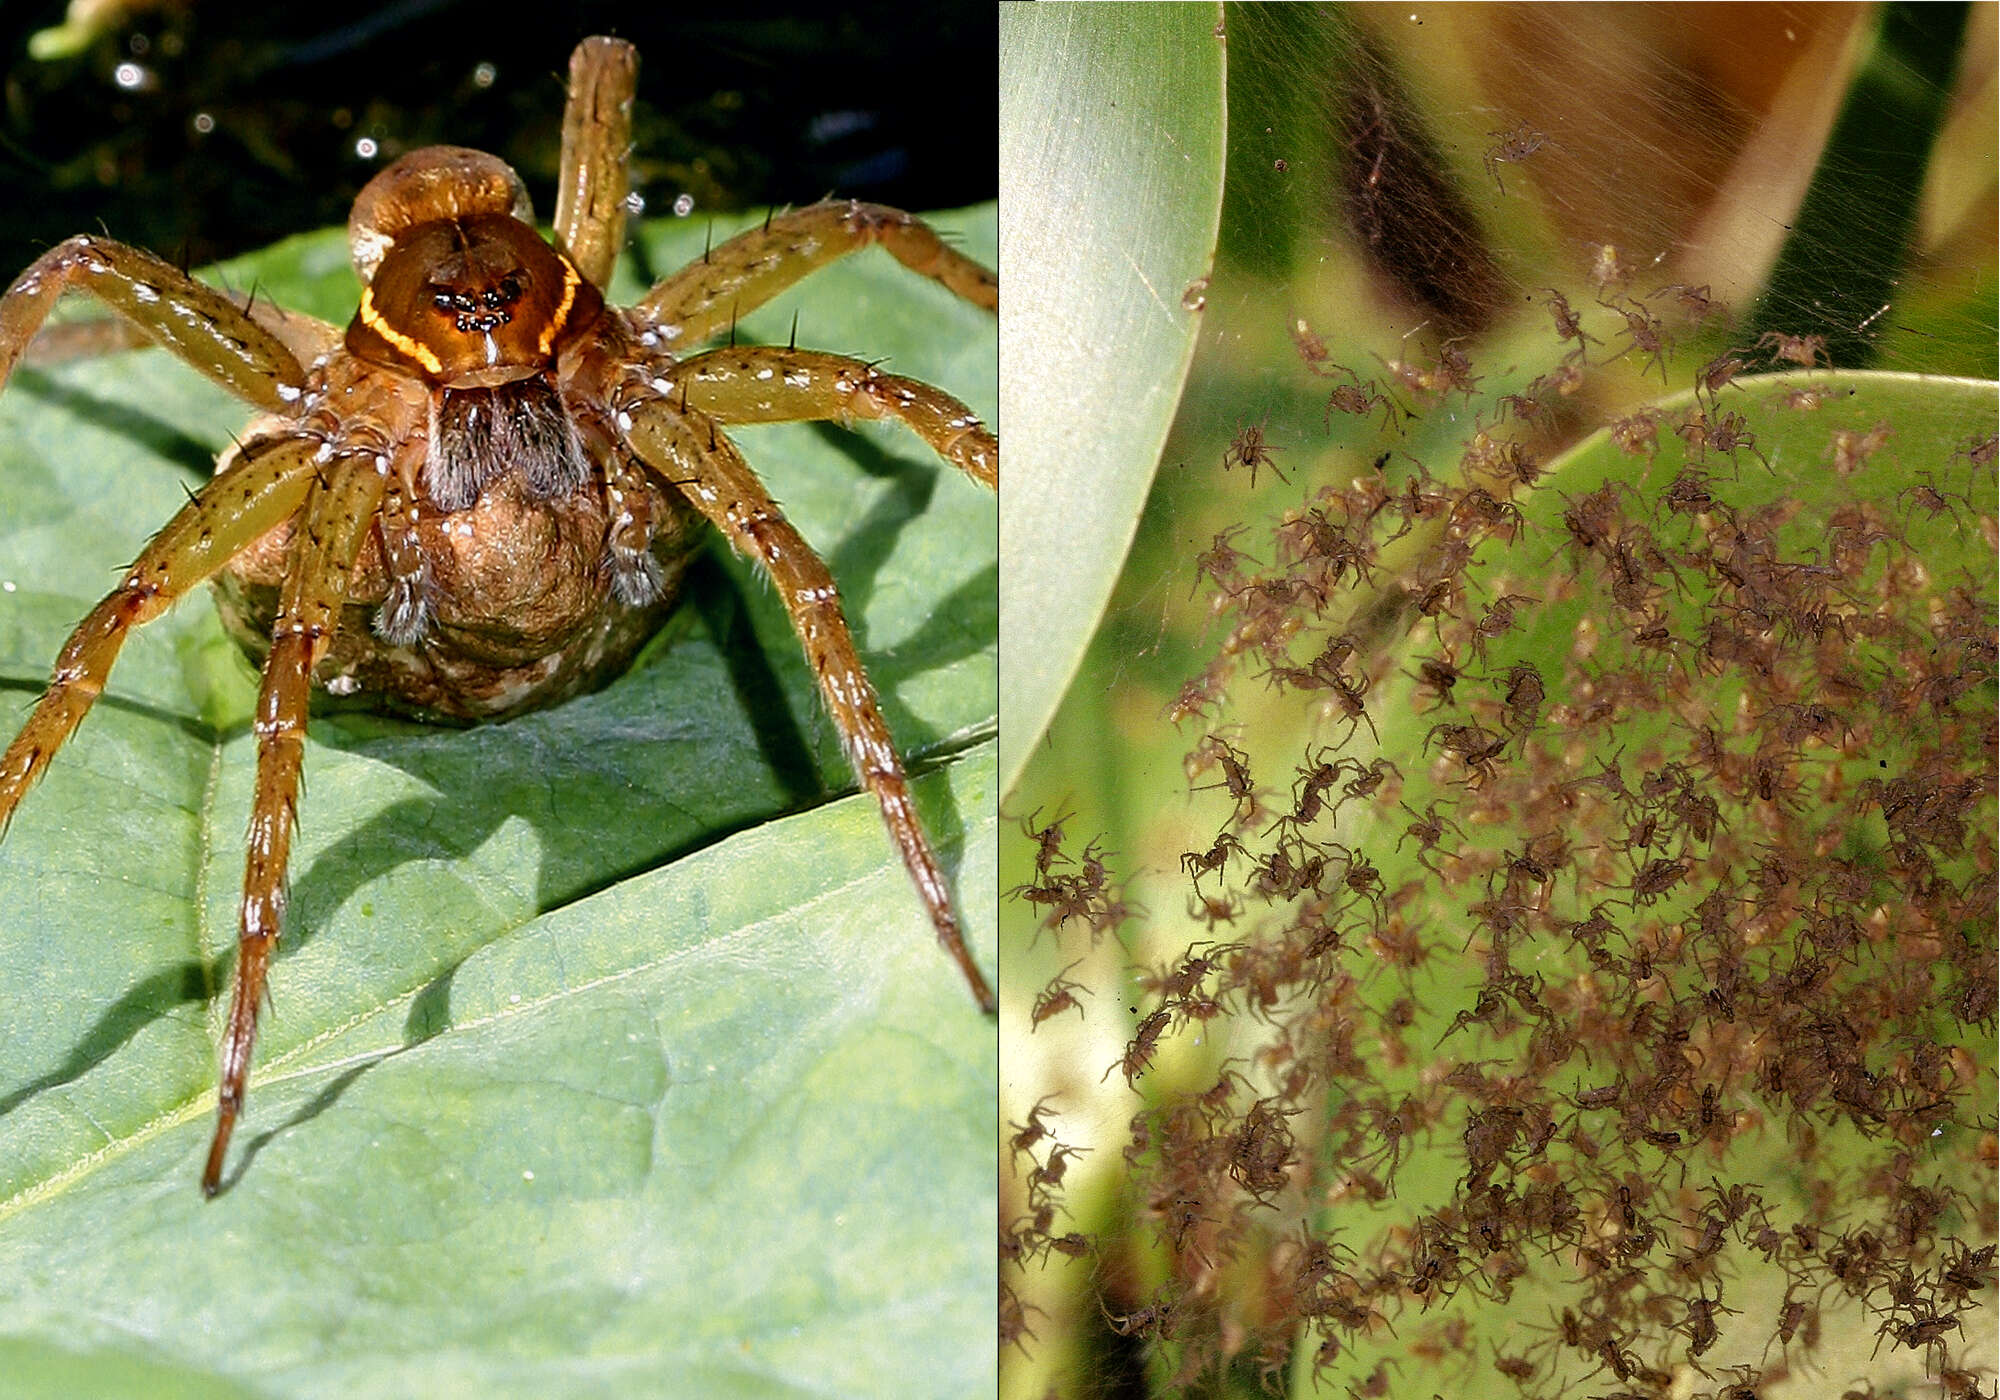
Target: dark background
x: 754, y: 105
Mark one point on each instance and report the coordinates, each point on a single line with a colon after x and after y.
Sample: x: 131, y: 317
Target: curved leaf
x: 587, y: 1070
x: 1111, y: 141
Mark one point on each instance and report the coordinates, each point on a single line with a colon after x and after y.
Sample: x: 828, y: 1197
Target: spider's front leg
x: 338, y: 514
x: 259, y: 490
x: 199, y: 324
x: 703, y: 299
x: 707, y: 469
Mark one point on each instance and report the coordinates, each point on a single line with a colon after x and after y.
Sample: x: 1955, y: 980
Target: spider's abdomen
x: 522, y: 612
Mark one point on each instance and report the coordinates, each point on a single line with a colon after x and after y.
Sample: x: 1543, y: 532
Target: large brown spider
x: 480, y: 497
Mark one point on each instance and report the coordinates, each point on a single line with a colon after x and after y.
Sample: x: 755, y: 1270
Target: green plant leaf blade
x: 1111, y: 150
x: 587, y: 1140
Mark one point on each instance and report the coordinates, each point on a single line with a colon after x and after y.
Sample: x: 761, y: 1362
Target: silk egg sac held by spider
x: 478, y: 497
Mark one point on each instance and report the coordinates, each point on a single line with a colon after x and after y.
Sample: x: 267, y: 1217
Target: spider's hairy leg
x: 307, y: 337
x: 596, y: 144
x: 337, y: 516
x: 259, y: 489
x: 199, y: 324
x: 711, y: 473
x: 703, y: 298
x: 765, y: 384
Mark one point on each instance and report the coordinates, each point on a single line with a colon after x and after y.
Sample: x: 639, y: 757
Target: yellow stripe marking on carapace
x: 554, y: 328
x: 415, y: 349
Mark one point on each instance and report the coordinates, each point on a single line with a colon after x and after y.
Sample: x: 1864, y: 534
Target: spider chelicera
x: 480, y: 496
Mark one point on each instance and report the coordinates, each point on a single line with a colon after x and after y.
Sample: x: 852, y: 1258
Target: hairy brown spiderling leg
x: 703, y: 298
x: 260, y: 489
x: 596, y: 139
x: 336, y: 519
x: 766, y: 384
x: 198, y: 323
x: 706, y: 468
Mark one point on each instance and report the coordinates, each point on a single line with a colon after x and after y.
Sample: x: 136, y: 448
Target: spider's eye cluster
x: 484, y: 311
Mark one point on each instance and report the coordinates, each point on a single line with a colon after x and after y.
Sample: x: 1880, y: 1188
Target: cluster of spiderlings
x: 1032, y: 1234
x: 1617, y: 946
x: 1087, y: 897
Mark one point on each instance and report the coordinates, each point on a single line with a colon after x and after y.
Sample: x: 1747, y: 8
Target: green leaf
x: 588, y: 1069
x: 1111, y: 144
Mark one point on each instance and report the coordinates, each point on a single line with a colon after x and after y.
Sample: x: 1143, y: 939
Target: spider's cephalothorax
x: 480, y: 497
x: 465, y: 295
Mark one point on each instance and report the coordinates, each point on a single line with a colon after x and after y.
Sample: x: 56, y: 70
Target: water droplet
x: 1196, y: 295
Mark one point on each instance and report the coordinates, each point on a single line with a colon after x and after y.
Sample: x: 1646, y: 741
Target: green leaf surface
x: 609, y: 1050
x: 1111, y: 152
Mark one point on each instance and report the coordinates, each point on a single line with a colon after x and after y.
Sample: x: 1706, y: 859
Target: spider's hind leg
x: 198, y: 323
x: 596, y: 146
x: 686, y: 450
